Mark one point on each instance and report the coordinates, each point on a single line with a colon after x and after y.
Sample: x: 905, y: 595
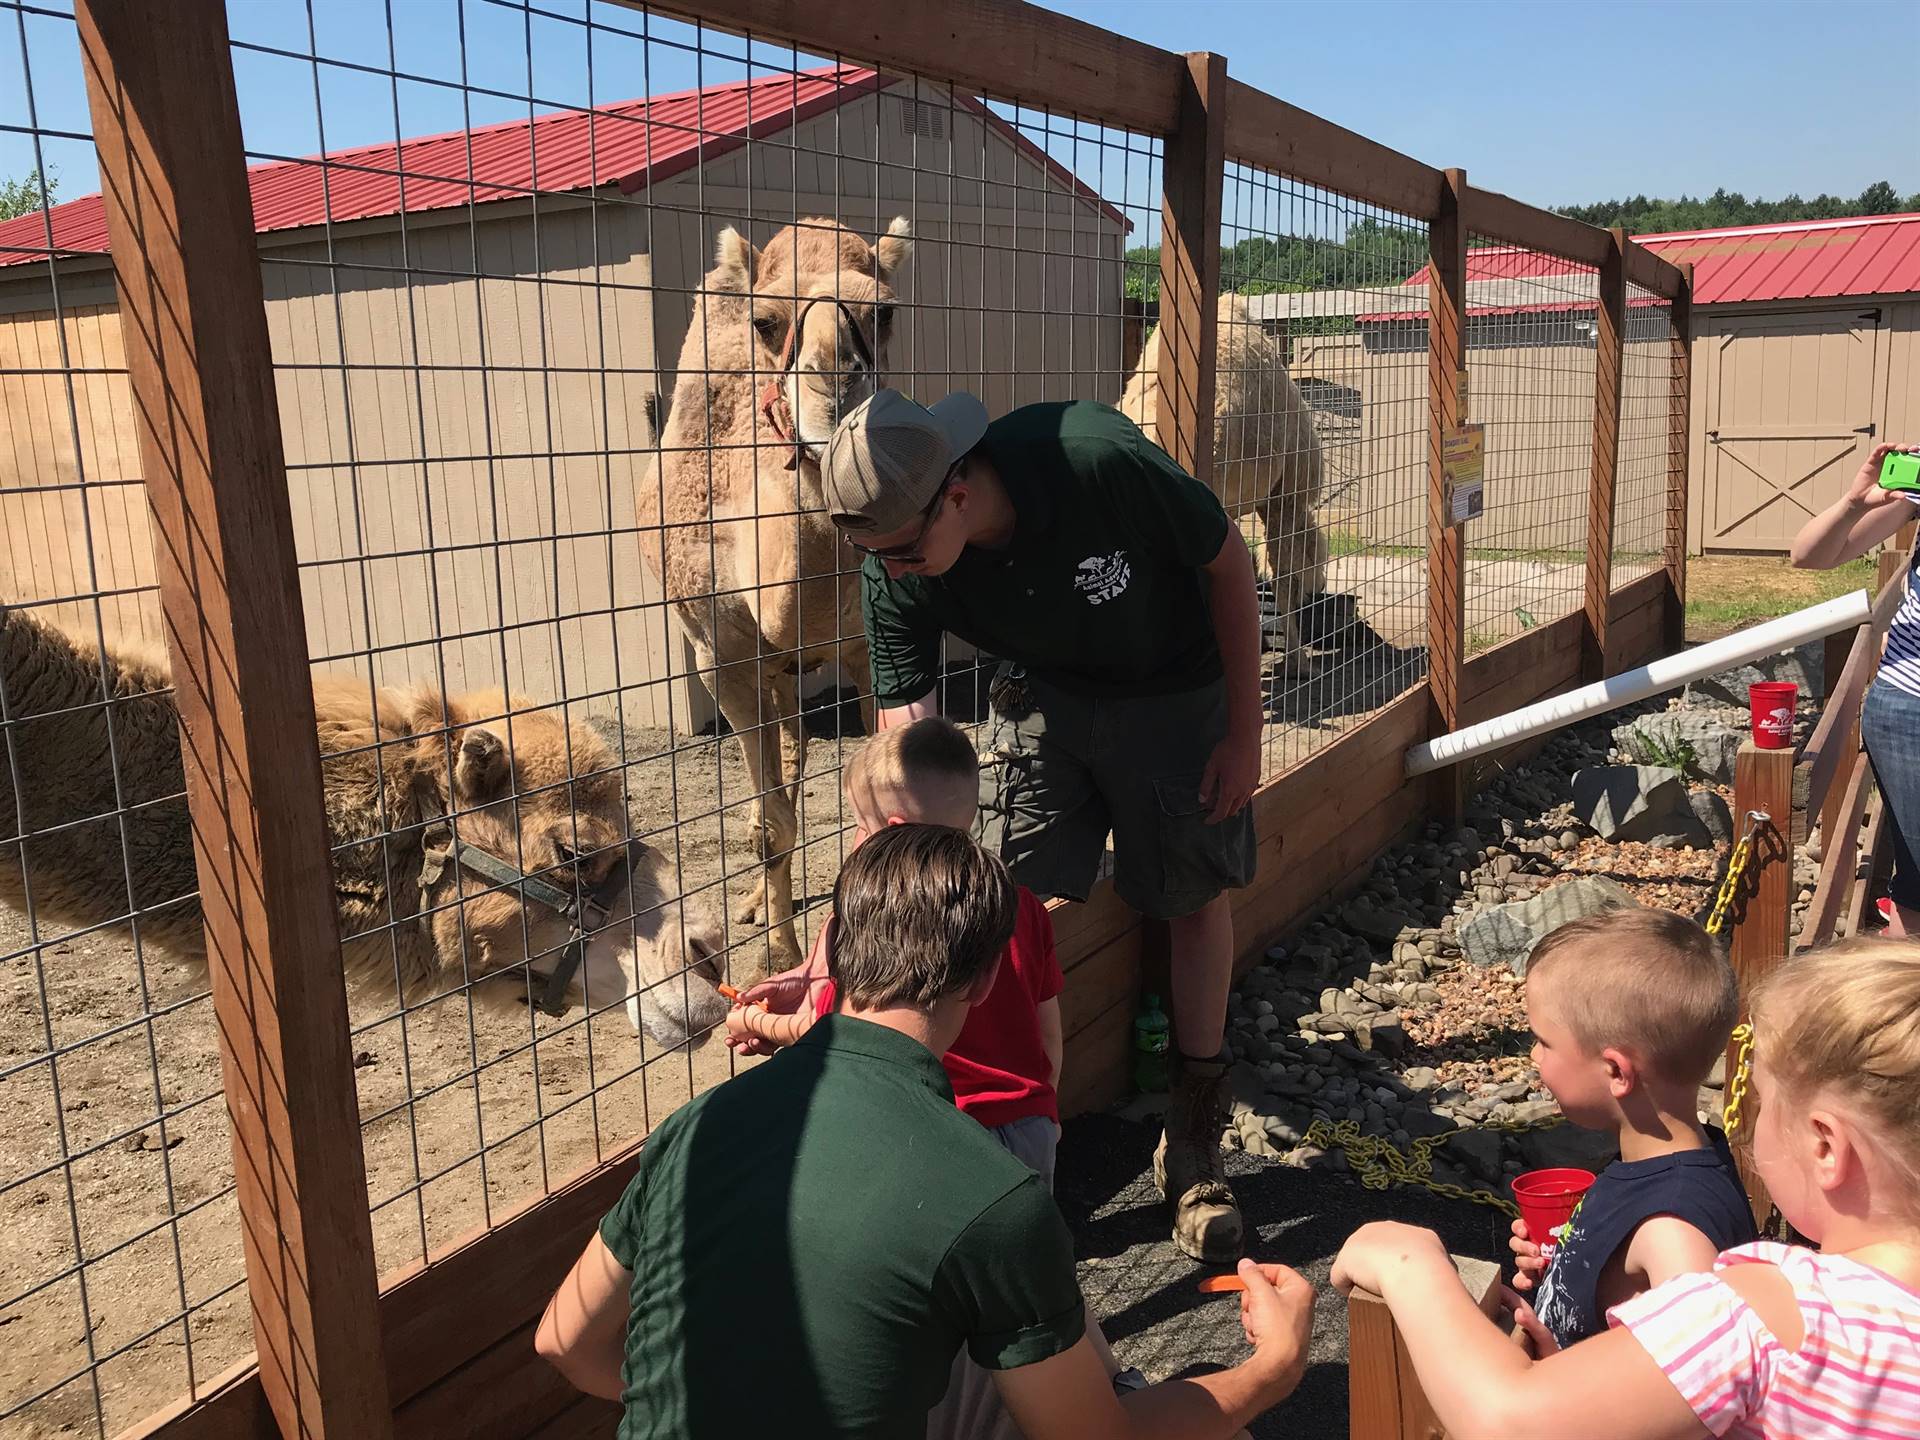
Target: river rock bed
x: 1402, y: 1008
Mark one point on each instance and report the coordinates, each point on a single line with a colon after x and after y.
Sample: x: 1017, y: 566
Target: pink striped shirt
x: 1856, y: 1375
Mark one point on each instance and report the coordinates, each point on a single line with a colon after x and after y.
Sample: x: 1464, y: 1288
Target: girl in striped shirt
x: 1777, y: 1342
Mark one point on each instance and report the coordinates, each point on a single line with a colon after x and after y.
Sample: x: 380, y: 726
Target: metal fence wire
x: 1530, y: 330
x: 1320, y: 439
x: 563, y: 299
x: 1649, y: 413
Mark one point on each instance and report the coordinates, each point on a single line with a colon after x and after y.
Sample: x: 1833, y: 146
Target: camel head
x: 822, y: 302
x: 541, y: 796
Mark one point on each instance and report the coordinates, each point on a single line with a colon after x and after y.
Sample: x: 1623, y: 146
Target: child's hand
x: 1374, y: 1250
x: 778, y: 995
x: 740, y: 1035
x: 1527, y: 1261
x: 1532, y: 1335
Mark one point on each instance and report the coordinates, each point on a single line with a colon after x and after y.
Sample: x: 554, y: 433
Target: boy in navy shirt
x: 1629, y: 1009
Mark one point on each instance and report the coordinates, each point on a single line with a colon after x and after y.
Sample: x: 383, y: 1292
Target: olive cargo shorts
x: 1073, y: 769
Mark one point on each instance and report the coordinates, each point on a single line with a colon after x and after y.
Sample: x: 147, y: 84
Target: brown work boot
x: 1187, y: 1166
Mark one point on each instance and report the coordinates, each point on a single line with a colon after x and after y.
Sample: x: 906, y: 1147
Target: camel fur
x: 1267, y: 458
x: 395, y: 763
x: 736, y: 527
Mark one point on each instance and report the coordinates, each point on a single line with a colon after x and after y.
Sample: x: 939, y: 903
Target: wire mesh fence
x: 1320, y: 438
x: 564, y: 299
x: 121, y: 1278
x: 1649, y: 413
x: 1530, y: 323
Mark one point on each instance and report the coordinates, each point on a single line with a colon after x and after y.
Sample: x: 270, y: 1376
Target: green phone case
x: 1900, y: 472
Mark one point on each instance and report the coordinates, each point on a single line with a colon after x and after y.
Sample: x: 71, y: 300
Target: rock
x: 1420, y: 1078
x: 1568, y: 1145
x: 1507, y: 934
x: 1804, y: 666
x: 1245, y: 1085
x: 1569, y: 839
x: 1478, y: 1150
x: 1634, y: 802
x: 1382, y: 925
x: 1531, y: 1112
x: 1255, y: 1142
x: 1416, y: 1121
x: 1387, y: 1037
x: 1301, y: 1156
x: 1712, y: 813
x: 1695, y: 742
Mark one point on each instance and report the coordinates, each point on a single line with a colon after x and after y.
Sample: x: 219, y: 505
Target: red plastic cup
x: 1772, y: 702
x: 1547, y: 1199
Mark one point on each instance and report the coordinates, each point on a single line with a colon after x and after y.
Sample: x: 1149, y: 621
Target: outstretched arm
x: 913, y: 710
x: 1856, y: 522
x: 1482, y: 1385
x: 1233, y: 770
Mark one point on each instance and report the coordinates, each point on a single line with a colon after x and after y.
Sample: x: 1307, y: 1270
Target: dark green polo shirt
x: 812, y: 1242
x: 1100, y: 590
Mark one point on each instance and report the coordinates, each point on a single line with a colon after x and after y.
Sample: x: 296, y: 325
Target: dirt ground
x: 471, y: 1105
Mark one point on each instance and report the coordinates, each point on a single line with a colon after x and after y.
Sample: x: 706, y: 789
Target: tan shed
x: 472, y: 339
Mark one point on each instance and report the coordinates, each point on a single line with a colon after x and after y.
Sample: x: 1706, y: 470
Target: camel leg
x: 1297, y: 560
x: 761, y: 724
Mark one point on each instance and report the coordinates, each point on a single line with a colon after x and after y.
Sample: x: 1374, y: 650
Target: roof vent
x: 922, y: 120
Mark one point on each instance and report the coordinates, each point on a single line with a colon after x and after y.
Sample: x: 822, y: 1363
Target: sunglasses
x: 909, y: 553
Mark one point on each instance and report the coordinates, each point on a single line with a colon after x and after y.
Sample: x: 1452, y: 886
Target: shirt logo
x: 1101, y: 577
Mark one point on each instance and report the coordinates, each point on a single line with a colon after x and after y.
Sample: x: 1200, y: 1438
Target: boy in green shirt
x: 1120, y: 599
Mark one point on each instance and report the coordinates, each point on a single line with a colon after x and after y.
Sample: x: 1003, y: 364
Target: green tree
x: 1641, y: 215
x: 19, y: 197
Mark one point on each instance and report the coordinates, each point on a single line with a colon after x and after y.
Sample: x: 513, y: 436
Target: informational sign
x: 1463, y: 461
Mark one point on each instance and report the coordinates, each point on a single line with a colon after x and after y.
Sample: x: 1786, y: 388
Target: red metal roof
x: 1802, y: 260
x: 1806, y: 260
x: 631, y: 143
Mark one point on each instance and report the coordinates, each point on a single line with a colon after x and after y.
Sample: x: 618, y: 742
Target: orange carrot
x: 732, y: 993
x: 1221, y: 1284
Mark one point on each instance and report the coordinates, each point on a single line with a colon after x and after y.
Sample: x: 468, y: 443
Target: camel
x: 1266, y: 456
x: 531, y: 791
x: 782, y: 343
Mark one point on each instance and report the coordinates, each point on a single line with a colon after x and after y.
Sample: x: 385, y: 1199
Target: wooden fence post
x: 1679, y: 443
x: 1446, y: 578
x: 1761, y: 915
x: 1193, y: 173
x: 187, y: 266
x: 1610, y: 329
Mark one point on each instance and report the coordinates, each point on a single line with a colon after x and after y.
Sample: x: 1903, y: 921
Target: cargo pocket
x: 1197, y: 860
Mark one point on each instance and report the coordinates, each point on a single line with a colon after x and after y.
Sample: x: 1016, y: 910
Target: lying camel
x: 417, y: 913
x: 1266, y: 455
x: 782, y: 343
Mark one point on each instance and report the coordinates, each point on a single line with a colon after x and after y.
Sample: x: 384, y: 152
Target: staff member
x: 1120, y: 600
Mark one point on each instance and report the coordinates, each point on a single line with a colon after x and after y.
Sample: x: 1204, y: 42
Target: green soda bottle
x: 1151, y: 1030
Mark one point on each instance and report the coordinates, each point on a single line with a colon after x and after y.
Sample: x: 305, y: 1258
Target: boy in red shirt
x: 1005, y: 1067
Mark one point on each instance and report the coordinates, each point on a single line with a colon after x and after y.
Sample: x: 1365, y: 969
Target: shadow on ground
x: 1142, y: 1288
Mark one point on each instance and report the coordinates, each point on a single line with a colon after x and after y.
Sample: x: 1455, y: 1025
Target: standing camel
x: 782, y: 343
x: 1266, y: 455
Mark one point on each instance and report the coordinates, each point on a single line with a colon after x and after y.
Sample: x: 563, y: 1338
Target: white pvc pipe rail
x: 1665, y: 673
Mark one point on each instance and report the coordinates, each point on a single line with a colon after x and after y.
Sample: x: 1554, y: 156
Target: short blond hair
x: 1843, y: 1022
x: 909, y: 769
x: 1650, y: 982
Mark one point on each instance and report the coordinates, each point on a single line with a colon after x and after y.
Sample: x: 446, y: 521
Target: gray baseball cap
x: 887, y: 459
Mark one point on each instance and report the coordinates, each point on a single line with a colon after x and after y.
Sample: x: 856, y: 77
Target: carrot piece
x: 1221, y: 1284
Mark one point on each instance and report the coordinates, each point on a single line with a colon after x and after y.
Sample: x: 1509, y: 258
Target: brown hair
x: 920, y: 912
x: 1845, y: 1020
x: 1647, y: 981
x: 928, y: 764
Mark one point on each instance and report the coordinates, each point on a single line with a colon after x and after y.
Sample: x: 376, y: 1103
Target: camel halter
x: 774, y: 408
x: 587, y: 910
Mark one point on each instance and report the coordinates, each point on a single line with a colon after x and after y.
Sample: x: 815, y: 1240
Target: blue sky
x: 1555, y: 103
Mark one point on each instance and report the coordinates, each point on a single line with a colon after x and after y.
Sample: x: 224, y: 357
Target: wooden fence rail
x: 447, y: 1343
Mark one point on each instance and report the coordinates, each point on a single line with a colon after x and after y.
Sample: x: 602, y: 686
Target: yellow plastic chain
x: 1737, y: 1081
x: 1379, y: 1163
x: 1736, y: 868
